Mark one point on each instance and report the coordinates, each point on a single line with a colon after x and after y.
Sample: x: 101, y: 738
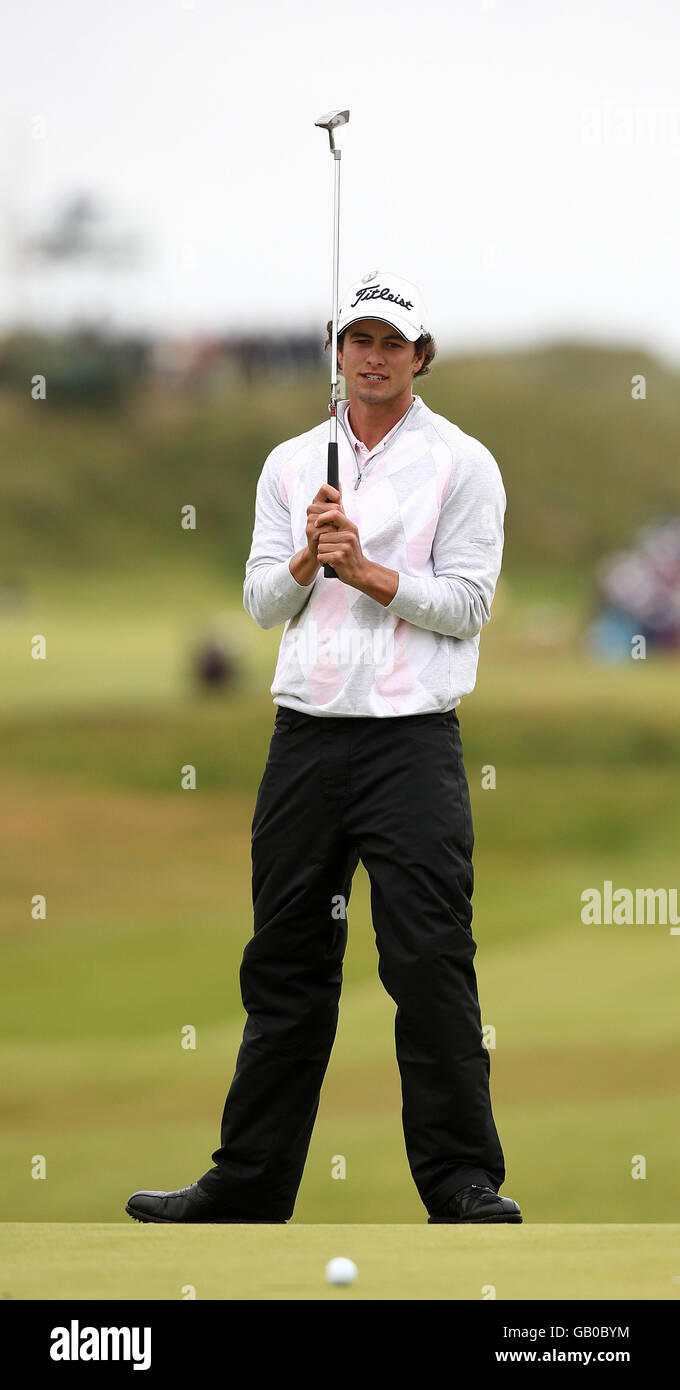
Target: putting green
x: 92, y: 1261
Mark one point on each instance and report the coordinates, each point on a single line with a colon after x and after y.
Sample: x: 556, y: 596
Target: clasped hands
x: 332, y: 538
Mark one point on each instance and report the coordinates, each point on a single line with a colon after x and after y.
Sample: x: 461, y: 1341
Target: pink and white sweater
x: 428, y: 502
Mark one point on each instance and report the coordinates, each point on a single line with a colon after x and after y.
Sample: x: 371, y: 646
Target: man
x: 365, y: 761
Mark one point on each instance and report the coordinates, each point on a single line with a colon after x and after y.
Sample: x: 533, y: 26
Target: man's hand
x: 332, y: 539
x: 326, y: 496
x: 338, y: 543
x: 304, y: 566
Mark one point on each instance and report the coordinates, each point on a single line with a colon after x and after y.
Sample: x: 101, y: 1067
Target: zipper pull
x: 358, y: 481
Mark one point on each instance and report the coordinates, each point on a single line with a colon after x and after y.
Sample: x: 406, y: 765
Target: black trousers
x: 392, y: 792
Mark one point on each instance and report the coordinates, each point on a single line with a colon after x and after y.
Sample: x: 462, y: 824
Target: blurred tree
x: 84, y: 231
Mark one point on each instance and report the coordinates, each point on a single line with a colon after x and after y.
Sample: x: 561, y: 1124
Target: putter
x: 329, y: 123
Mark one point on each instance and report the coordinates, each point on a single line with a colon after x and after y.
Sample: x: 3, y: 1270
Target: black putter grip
x: 329, y: 572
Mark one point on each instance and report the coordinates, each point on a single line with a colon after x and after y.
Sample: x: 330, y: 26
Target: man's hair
x: 425, y: 342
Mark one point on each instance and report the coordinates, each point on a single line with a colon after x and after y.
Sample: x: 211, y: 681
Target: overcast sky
x: 518, y: 159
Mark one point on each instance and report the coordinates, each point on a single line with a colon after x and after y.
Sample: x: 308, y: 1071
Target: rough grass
x: 583, y: 462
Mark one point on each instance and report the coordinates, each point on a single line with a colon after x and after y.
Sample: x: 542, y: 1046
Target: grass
x: 148, y: 910
x: 397, y: 1261
x: 148, y: 888
x: 581, y: 1084
x: 102, y: 491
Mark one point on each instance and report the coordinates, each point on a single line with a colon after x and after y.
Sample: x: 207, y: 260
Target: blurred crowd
x: 638, y: 594
x: 90, y: 367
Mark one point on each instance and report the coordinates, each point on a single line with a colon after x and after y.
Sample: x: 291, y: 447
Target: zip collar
x: 415, y: 402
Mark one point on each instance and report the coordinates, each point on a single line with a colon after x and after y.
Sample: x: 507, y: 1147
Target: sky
x: 516, y: 159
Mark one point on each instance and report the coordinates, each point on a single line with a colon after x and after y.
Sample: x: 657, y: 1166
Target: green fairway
x: 149, y: 907
x: 65, y: 1261
x: 147, y: 886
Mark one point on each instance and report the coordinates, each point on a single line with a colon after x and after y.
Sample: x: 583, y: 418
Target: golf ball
x: 341, y: 1271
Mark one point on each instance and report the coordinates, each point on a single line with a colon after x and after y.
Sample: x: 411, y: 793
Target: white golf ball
x: 341, y: 1271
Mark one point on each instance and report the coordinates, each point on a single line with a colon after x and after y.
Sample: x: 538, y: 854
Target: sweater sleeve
x: 466, y: 552
x: 271, y: 594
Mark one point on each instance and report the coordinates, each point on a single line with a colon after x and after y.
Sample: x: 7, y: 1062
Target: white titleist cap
x: 382, y: 295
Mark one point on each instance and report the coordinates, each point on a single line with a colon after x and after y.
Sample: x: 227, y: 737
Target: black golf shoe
x: 188, y: 1204
x: 476, y: 1204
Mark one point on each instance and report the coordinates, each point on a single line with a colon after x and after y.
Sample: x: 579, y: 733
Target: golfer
x: 365, y: 762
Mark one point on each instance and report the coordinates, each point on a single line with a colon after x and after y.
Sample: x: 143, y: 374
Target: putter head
x: 330, y: 121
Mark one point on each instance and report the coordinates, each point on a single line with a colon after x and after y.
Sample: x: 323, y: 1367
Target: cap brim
x: 406, y: 331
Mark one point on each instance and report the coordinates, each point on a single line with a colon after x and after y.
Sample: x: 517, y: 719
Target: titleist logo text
x: 375, y: 292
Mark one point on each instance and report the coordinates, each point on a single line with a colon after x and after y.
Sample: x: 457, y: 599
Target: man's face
x: 373, y: 348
